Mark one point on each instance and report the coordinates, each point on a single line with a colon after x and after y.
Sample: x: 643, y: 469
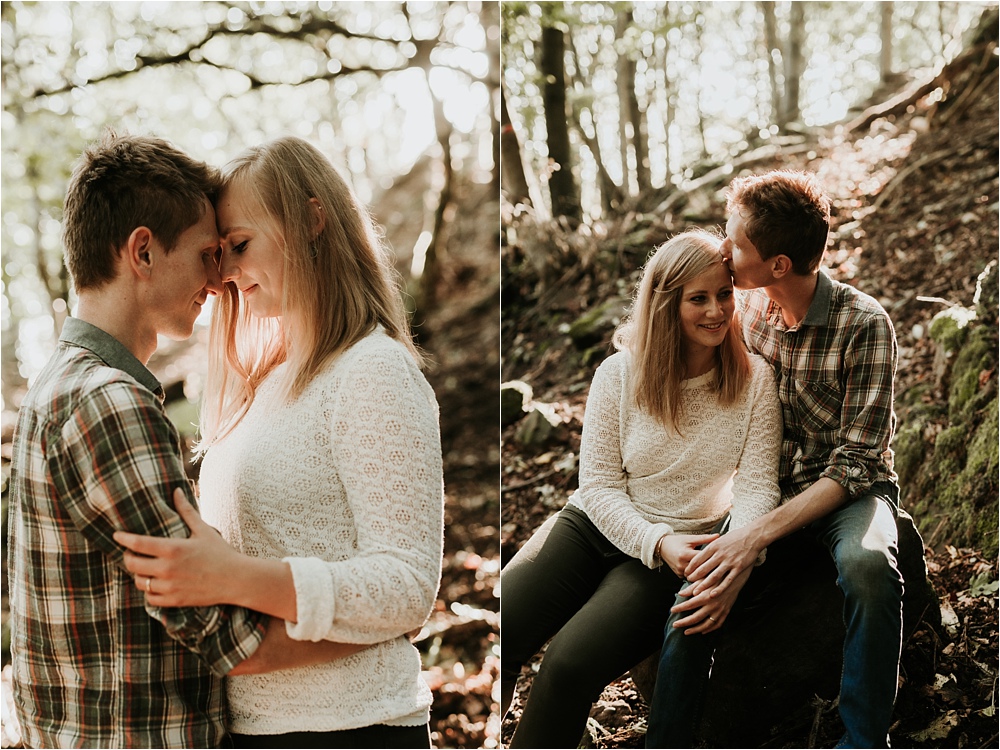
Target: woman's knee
x: 569, y: 672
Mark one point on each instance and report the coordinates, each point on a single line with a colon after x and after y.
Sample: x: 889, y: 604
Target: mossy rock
x: 949, y: 327
x: 949, y: 451
x: 952, y: 488
x: 540, y: 426
x: 969, y: 498
x: 978, y: 355
x: 514, y: 396
x: 910, y: 443
x: 597, y: 323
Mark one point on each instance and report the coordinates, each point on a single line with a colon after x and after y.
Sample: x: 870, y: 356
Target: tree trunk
x: 631, y: 117
x: 562, y: 186
x: 612, y: 197
x: 668, y: 96
x: 513, y: 181
x: 621, y: 71
x: 794, y: 61
x: 639, y: 142
x: 699, y: 49
x: 885, y: 54
x: 491, y: 23
x: 425, y: 296
x: 773, y: 52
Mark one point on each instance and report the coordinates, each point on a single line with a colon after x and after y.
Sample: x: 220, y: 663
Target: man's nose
x: 214, y: 283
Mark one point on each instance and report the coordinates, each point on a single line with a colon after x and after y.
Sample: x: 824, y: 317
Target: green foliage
x: 983, y: 584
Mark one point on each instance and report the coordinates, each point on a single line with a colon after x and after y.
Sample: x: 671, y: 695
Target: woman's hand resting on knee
x: 677, y: 550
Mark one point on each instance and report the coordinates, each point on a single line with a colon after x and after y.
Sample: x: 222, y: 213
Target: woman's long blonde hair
x: 338, y: 285
x: 652, y: 331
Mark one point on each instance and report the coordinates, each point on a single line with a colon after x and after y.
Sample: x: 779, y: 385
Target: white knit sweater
x: 345, y: 482
x: 640, y: 480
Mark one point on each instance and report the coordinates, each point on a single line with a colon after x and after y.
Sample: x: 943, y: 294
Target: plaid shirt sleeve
x: 117, y: 466
x: 866, y: 417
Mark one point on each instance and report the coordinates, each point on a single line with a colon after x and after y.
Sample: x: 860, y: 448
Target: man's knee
x: 868, y: 572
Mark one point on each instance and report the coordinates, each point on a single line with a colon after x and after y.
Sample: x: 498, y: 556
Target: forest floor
x: 914, y: 215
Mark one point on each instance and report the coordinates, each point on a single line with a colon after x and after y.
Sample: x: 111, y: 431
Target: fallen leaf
x: 939, y: 728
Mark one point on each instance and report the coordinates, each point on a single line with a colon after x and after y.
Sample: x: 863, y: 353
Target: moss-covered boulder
x: 947, y: 458
x: 540, y: 426
x: 596, y: 325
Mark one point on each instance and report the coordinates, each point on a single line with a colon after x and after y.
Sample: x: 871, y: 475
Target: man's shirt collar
x: 80, y: 333
x: 818, y: 313
x: 819, y: 310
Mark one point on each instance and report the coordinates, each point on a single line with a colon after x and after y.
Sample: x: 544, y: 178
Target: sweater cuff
x: 314, y: 599
x: 651, y: 538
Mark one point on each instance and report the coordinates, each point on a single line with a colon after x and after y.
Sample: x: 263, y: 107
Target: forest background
x: 623, y: 125
x: 403, y: 97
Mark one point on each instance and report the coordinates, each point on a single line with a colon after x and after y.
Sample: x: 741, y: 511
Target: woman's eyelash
x: 240, y: 247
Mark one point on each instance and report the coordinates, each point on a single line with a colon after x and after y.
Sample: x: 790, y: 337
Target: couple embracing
x: 322, y: 470
x: 697, y: 454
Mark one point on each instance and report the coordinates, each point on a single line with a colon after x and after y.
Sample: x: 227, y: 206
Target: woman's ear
x: 137, y: 253
x: 319, y: 216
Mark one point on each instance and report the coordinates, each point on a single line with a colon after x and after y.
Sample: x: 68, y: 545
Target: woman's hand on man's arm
x: 204, y: 570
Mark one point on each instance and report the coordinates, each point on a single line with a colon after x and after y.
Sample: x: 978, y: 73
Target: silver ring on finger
x: 149, y: 585
x: 711, y: 618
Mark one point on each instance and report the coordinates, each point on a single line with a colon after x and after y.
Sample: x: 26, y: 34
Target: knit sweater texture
x: 640, y: 480
x: 345, y: 483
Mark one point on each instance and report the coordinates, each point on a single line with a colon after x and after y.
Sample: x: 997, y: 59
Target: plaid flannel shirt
x: 93, y: 666
x: 835, y: 374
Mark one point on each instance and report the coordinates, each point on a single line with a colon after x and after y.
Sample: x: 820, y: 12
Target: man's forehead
x: 204, y: 233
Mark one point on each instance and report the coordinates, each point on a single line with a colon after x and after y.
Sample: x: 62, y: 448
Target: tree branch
x: 309, y: 25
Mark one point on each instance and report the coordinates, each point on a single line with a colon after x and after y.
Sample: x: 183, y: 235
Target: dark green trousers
x: 603, y: 610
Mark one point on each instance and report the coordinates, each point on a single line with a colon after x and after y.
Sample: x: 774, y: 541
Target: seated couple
x: 322, y: 468
x: 686, y: 432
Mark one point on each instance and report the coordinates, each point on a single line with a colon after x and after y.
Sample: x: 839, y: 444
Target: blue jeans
x: 862, y: 539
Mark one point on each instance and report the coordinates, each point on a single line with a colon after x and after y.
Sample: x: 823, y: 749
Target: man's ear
x: 319, y: 216
x: 138, y: 255
x: 781, y: 265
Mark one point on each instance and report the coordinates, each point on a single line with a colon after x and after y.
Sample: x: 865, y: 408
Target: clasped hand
x: 719, y: 562
x: 175, y: 572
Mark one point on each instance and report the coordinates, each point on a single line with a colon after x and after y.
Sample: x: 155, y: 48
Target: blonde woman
x: 671, y: 417
x: 322, y: 464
